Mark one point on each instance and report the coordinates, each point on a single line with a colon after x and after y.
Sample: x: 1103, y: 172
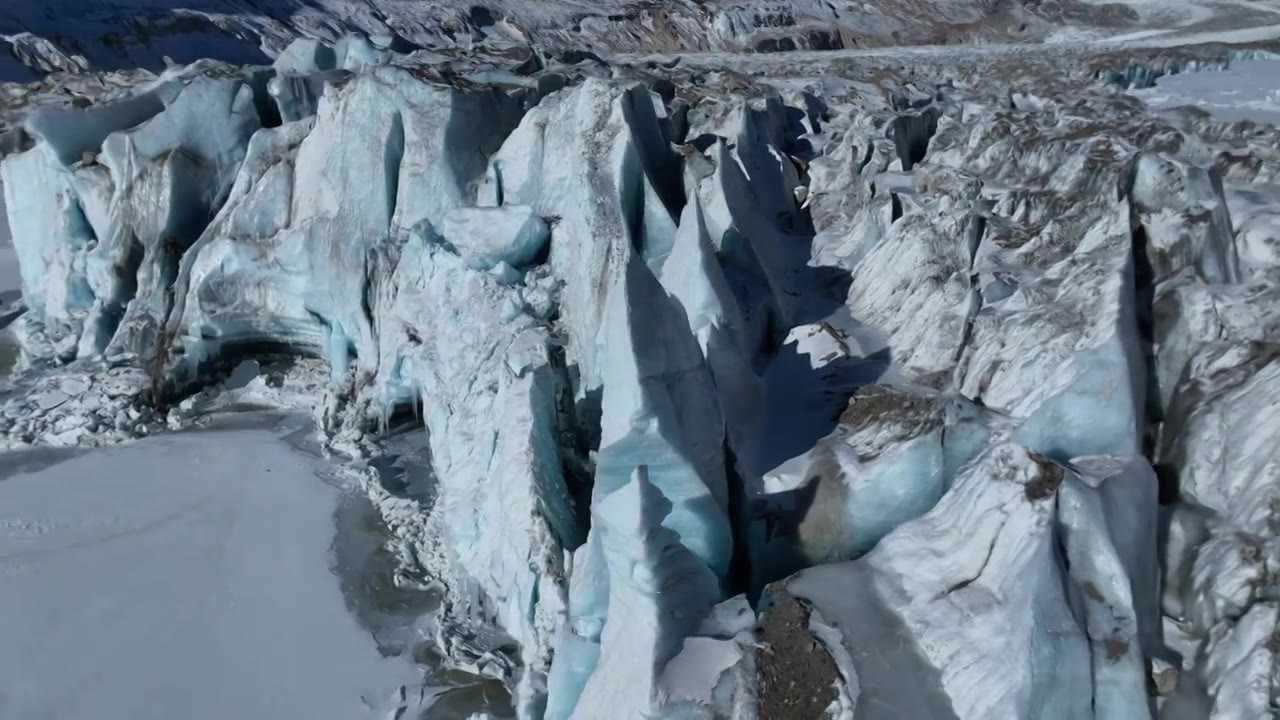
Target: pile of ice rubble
x: 893, y: 364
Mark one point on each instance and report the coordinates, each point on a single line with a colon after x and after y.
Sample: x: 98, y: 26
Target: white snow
x: 1249, y: 90
x: 186, y: 576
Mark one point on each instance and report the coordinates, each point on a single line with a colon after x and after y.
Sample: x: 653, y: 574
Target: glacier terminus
x: 670, y: 360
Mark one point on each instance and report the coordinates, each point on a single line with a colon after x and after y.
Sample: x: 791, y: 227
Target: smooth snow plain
x: 183, y: 576
x: 1249, y: 90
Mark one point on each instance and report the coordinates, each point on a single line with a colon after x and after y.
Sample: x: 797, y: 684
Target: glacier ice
x: 54, y: 280
x: 926, y: 398
x: 660, y: 521
x: 943, y: 581
x: 510, y: 234
x: 890, y: 459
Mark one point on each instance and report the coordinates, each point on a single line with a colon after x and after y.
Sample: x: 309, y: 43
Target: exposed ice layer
x: 692, y: 274
x: 464, y: 370
x: 301, y: 74
x: 511, y: 234
x: 1183, y: 210
x: 502, y: 517
x: 132, y: 201
x: 236, y: 243
x: 658, y: 593
x: 306, y: 56
x: 952, y: 582
x: 72, y: 132
x: 388, y: 157
x: 1115, y: 502
x: 757, y: 225
x: 665, y: 278
x: 1063, y: 312
x: 576, y: 157
x: 890, y: 459
x: 1105, y: 606
x: 168, y: 177
x: 661, y: 411
x: 1217, y: 441
x: 50, y: 236
x: 1138, y: 76
x: 929, y: 616
x: 1255, y: 216
x: 1215, y: 326
x: 660, y: 522
x: 38, y: 55
x: 298, y: 96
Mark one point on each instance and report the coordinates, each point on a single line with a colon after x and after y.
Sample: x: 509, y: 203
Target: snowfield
x: 1248, y: 91
x: 183, y: 576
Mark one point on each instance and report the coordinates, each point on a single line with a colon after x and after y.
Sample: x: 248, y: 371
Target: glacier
x: 864, y: 390
x: 36, y: 39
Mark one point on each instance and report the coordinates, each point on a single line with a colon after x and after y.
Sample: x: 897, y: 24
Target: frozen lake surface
x: 184, y: 576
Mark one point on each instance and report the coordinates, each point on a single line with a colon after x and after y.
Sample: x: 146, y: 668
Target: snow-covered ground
x: 42, y: 36
x: 1247, y: 91
x: 186, y: 576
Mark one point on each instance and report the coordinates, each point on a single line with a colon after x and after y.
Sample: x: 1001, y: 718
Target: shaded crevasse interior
x: 894, y: 367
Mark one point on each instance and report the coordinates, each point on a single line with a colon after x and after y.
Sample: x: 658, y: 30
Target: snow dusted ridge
x: 111, y: 34
x: 38, y: 37
x: 960, y: 368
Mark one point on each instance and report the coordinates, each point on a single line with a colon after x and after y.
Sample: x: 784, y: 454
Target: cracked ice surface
x: 916, y: 367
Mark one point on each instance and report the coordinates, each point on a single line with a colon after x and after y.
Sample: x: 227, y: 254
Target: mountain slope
x: 119, y: 34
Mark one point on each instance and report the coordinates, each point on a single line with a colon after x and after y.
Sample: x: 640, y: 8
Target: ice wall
x: 897, y: 367
x: 932, y: 598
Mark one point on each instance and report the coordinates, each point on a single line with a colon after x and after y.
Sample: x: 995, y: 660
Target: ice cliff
x: 897, y: 397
